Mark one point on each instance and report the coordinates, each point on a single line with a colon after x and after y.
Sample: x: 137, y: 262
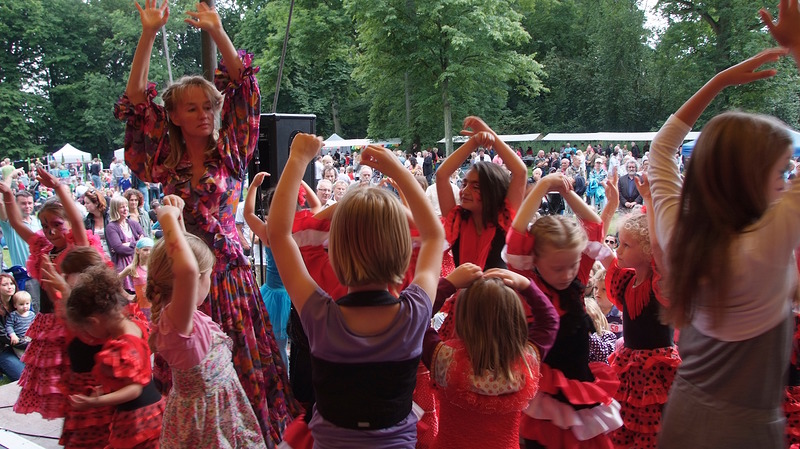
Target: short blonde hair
x: 558, y: 232
x: 369, y: 241
x: 113, y: 207
x: 636, y: 225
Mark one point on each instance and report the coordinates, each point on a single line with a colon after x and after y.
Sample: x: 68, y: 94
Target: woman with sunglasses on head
x: 97, y: 217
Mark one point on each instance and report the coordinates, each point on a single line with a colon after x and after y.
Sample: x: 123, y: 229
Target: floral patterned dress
x: 234, y: 301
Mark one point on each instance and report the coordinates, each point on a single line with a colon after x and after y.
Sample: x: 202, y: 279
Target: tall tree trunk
x: 408, y: 102
x: 337, y: 124
x: 448, y: 119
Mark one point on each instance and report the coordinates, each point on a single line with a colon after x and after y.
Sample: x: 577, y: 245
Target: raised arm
x: 185, y: 271
x: 527, y: 211
x: 612, y: 201
x: 447, y: 200
x: 519, y: 172
x: 582, y: 210
x: 429, y: 261
x: 291, y: 267
x: 207, y: 19
x: 311, y: 198
x: 153, y: 18
x: 258, y: 227
x: 70, y: 208
x: 655, y: 248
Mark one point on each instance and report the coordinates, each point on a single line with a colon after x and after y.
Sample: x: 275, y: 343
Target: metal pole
x: 283, y: 58
x: 209, y: 51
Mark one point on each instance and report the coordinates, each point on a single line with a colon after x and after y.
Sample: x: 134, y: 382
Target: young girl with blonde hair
x: 574, y: 407
x: 137, y: 271
x: 205, y: 385
x: 730, y: 260
x: 366, y: 346
x: 489, y: 372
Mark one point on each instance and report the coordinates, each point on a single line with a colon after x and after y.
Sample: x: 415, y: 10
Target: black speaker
x: 274, y: 141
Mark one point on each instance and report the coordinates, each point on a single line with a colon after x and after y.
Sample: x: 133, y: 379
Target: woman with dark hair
x: 136, y: 210
x: 10, y: 364
x: 122, y: 233
x: 97, y: 217
x: 476, y: 230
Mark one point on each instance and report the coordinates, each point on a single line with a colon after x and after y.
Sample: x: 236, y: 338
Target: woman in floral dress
x: 179, y: 146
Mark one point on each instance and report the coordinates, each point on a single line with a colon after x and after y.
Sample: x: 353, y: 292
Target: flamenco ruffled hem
x: 601, y: 391
x: 642, y: 420
x: 791, y: 401
x: 645, y: 376
x: 585, y: 423
x: 52, y: 406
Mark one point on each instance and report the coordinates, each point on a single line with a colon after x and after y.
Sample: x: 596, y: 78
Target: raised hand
x: 258, y: 179
x: 558, y: 182
x: 153, y: 17
x: 484, y: 139
x: 644, y: 187
x: 473, y: 125
x: 205, y: 18
x: 47, y: 179
x: 747, y: 70
x: 787, y: 30
x: 306, y: 147
x: 167, y: 210
x: 612, y: 187
x: 173, y: 201
x: 381, y: 159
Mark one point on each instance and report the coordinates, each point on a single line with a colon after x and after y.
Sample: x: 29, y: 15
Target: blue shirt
x: 18, y: 248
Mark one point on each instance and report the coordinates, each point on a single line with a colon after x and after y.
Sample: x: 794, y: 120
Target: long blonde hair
x: 724, y: 192
x: 369, y: 241
x: 173, y: 96
x: 160, y: 280
x: 491, y: 322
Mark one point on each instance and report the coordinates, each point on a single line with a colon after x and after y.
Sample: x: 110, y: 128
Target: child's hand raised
x: 473, y: 125
x: 6, y: 191
x: 174, y: 201
x: 516, y: 281
x: 464, y: 275
x: 746, y: 71
x: 206, y: 18
x: 153, y: 17
x: 612, y: 187
x: 168, y: 211
x: 558, y: 182
x: 644, y: 187
x: 46, y: 178
x: 381, y: 159
x: 305, y: 147
x: 483, y: 139
x: 787, y: 30
x: 258, y: 179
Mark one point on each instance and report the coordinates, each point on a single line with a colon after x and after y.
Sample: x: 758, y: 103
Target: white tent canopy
x: 607, y: 137
x: 334, y: 141
x: 503, y: 137
x: 71, y: 155
x: 120, y: 154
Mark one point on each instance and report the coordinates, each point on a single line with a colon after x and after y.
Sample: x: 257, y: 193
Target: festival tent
x: 621, y: 137
x: 687, y: 148
x: 503, y: 137
x: 120, y: 154
x: 334, y: 141
x: 70, y: 155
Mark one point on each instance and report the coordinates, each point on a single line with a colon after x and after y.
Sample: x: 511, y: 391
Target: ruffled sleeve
x: 38, y: 245
x: 185, y: 351
x: 146, y: 136
x: 616, y: 281
x: 122, y: 362
x: 519, y: 250
x: 594, y: 231
x: 241, y: 114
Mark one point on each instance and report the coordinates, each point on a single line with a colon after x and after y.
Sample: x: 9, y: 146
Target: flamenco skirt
x: 791, y: 407
x: 584, y: 421
x: 90, y: 428
x: 645, y: 377
x: 45, y: 362
x: 137, y: 429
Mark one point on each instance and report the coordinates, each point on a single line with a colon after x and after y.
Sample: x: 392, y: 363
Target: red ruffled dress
x: 121, y: 362
x: 647, y: 363
x: 480, y: 411
x: 46, y: 358
x: 791, y: 402
x: 575, y: 406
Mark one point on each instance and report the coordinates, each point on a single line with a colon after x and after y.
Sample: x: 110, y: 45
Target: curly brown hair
x: 97, y: 292
x: 134, y: 192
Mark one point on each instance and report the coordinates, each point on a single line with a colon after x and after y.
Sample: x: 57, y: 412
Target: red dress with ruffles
x: 791, y: 401
x: 575, y: 406
x: 480, y: 411
x: 121, y: 362
x: 46, y: 358
x: 647, y: 363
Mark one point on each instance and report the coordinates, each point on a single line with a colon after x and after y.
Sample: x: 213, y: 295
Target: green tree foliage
x: 451, y: 57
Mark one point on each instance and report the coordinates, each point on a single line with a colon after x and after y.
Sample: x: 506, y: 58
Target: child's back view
x: 366, y: 346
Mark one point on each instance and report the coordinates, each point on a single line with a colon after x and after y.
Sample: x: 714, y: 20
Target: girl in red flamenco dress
x: 575, y: 406
x: 486, y: 375
x: 46, y: 357
x: 97, y: 307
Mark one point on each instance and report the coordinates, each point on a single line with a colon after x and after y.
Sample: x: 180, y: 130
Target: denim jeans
x: 10, y: 365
